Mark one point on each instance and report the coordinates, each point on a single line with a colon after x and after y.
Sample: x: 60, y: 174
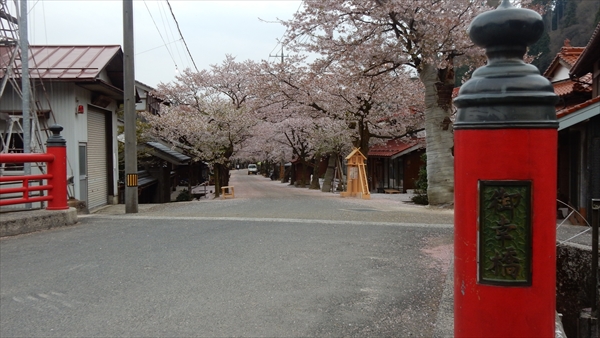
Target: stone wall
x: 573, y: 283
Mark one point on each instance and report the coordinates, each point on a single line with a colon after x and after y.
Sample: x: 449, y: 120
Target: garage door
x: 97, y: 172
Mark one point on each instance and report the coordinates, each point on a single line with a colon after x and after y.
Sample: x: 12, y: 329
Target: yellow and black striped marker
x: 132, y: 180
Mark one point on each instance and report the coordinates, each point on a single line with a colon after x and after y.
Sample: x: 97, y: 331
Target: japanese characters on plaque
x: 505, y: 233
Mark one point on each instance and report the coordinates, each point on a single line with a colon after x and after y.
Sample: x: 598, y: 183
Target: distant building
x: 575, y: 75
x: 394, y: 165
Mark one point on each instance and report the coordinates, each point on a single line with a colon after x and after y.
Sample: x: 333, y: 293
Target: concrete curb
x: 23, y: 222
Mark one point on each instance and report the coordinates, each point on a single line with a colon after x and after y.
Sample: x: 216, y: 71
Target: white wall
x: 63, y: 99
x: 560, y: 74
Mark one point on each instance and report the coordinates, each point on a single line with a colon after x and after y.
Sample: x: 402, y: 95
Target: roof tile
x: 573, y: 108
x: 390, y: 148
x: 567, y: 54
x: 566, y: 87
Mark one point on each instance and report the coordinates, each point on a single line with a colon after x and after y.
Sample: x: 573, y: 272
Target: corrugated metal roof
x: 66, y: 62
x: 168, y: 154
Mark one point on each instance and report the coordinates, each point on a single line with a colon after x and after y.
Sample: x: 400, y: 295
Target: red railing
x: 56, y: 176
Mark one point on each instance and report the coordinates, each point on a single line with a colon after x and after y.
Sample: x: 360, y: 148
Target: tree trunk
x: 293, y: 174
x: 266, y: 168
x: 303, y: 175
x: 329, y: 173
x: 224, y: 175
x: 439, y: 84
x: 282, y: 172
x: 217, y: 180
x: 365, y: 137
x: 314, y: 183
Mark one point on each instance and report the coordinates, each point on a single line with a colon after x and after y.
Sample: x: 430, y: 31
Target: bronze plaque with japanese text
x: 505, y: 233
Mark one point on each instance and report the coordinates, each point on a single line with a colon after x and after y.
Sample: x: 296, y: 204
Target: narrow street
x: 259, y: 197
x: 275, y: 261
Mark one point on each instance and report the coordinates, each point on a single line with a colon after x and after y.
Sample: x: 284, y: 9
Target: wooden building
x: 394, y: 165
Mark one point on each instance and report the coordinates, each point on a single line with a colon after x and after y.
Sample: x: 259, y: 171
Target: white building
x: 81, y: 89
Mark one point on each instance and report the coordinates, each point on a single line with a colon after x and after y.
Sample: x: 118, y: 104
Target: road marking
x: 45, y: 301
x: 276, y: 220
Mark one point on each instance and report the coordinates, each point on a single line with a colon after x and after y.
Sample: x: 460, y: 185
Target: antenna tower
x: 11, y: 118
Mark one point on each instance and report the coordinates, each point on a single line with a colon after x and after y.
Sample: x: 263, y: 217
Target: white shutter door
x: 97, y: 175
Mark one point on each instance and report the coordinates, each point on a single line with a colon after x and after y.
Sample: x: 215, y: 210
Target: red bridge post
x: 57, y: 146
x: 505, y: 186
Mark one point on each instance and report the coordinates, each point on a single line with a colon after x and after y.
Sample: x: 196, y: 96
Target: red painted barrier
x: 56, y: 176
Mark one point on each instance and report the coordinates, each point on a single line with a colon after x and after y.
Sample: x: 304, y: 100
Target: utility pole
x: 282, y: 55
x: 24, y: 46
x: 282, y: 164
x: 131, y: 176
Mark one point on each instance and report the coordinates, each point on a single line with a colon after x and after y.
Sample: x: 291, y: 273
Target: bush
x: 420, y: 199
x: 184, y: 195
x: 420, y: 196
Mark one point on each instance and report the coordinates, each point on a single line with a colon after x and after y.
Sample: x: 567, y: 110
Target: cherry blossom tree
x: 376, y: 37
x: 266, y: 145
x: 383, y: 107
x: 208, y: 114
x: 211, y: 133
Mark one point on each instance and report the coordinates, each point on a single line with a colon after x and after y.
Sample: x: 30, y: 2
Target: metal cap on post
x: 57, y: 146
x: 56, y: 139
x: 506, y: 82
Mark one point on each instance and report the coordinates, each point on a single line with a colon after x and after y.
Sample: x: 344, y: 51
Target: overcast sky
x: 211, y: 29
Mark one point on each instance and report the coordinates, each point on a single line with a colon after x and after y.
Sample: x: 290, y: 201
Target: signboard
x: 505, y: 233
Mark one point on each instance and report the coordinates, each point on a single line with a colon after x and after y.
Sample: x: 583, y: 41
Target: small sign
x: 353, y: 172
x: 505, y: 233
x: 132, y: 180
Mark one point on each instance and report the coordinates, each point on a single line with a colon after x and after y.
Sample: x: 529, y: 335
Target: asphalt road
x: 275, y: 261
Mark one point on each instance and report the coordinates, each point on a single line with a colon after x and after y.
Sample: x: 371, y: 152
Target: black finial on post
x: 506, y: 92
x: 56, y: 140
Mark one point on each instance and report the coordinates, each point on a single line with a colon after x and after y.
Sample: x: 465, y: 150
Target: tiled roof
x: 566, y: 87
x: 570, y: 54
x: 573, y: 108
x: 567, y: 56
x: 587, y: 58
x: 391, y: 148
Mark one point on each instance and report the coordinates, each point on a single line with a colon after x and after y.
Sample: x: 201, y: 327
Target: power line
x: 151, y: 49
x: 282, y: 36
x: 160, y: 34
x: 166, y: 21
x: 178, y: 29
